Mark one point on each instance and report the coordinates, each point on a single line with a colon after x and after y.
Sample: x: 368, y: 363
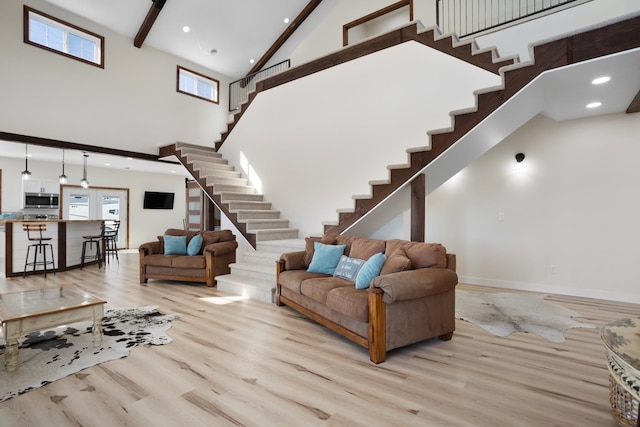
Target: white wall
x: 319, y: 140
x: 572, y: 206
x: 144, y: 224
x: 131, y: 104
x: 327, y: 36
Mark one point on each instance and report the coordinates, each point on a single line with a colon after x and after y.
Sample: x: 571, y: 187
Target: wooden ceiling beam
x: 293, y: 26
x: 634, y: 107
x: 150, y: 19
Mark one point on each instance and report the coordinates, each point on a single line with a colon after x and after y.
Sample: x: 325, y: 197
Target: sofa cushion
x: 348, y: 268
x: 396, y: 262
x: 175, y: 245
x: 195, y: 245
x: 317, y: 289
x: 325, y: 258
x: 349, y: 301
x: 369, y: 270
x: 159, y: 260
x: 343, y: 239
x: 364, y: 248
x: 292, y: 279
x: 187, y: 261
x: 327, y: 239
x: 422, y: 255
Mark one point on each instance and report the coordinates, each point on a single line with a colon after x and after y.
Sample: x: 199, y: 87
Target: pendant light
x: 83, y: 182
x: 25, y: 173
x: 63, y: 177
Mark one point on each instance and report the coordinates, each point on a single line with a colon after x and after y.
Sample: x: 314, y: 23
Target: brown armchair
x: 218, y: 250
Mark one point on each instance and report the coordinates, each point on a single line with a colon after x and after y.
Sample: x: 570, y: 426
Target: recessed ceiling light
x: 251, y: 61
x: 286, y: 20
x: 601, y: 80
x: 107, y: 164
x: 186, y: 29
x: 594, y: 104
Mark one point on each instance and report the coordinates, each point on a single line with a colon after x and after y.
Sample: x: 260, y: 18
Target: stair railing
x: 240, y: 89
x: 472, y: 17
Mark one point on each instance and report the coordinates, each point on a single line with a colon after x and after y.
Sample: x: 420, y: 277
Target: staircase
x: 255, y: 276
x: 256, y: 219
x: 261, y: 225
x: 612, y: 38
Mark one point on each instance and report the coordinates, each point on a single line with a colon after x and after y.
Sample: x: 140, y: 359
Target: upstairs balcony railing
x: 472, y: 17
x: 240, y: 89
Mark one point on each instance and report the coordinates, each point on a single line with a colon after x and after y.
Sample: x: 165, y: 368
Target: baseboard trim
x: 553, y: 289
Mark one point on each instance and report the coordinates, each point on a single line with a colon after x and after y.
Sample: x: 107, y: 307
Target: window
x: 57, y: 36
x: 198, y: 85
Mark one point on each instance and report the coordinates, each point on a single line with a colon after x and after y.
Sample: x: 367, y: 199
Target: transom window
x: 198, y: 85
x: 57, y: 36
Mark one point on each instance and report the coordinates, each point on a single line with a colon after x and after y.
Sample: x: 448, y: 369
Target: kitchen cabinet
x: 41, y: 186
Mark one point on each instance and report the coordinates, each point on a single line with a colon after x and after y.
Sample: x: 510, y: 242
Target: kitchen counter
x: 67, y: 243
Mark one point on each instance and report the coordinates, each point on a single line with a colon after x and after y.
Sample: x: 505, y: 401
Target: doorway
x: 79, y: 203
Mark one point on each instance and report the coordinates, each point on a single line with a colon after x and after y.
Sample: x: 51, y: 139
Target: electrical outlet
x: 500, y: 216
x: 554, y: 269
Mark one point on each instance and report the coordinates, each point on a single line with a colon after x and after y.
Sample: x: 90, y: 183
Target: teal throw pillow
x: 325, y: 258
x: 348, y: 268
x: 369, y: 270
x: 175, y: 245
x: 193, y: 248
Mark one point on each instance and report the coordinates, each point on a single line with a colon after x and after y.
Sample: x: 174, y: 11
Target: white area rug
x: 504, y: 313
x: 50, y: 355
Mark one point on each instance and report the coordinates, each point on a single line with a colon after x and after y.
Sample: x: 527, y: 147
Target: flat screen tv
x: 157, y: 200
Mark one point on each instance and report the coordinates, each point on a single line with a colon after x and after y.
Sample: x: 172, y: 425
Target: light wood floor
x: 247, y: 363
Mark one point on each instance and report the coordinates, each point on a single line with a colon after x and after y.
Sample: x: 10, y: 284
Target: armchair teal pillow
x: 175, y: 245
x: 193, y: 248
x: 369, y: 270
x: 325, y: 258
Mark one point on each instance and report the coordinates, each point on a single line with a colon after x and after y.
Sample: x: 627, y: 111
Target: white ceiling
x: 238, y: 30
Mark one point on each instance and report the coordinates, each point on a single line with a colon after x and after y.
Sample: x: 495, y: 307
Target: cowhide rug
x: 53, y: 354
x: 504, y: 313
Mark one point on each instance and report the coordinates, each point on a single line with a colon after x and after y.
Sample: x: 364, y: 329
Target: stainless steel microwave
x: 41, y: 200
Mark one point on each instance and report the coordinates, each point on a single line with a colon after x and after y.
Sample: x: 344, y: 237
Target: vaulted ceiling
x: 239, y: 31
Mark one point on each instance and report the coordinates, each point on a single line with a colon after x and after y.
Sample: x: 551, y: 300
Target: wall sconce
x: 63, y: 177
x: 519, y: 159
x: 83, y: 182
x: 25, y: 173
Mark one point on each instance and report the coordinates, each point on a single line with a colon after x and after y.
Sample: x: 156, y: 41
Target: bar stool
x: 90, y: 241
x: 111, y: 240
x: 40, y: 246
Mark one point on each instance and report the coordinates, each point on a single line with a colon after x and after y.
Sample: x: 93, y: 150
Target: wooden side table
x: 622, y: 340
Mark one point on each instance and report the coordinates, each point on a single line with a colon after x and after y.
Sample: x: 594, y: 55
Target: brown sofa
x: 413, y: 298
x: 218, y: 250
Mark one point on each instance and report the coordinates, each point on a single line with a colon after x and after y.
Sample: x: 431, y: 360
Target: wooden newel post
x: 418, y: 208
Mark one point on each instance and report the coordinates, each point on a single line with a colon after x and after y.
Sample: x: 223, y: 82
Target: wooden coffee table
x: 22, y: 312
